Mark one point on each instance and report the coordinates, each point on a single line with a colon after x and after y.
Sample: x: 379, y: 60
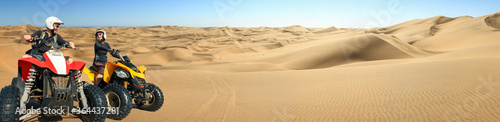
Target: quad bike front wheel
x: 95, y: 99
x: 9, y: 102
x: 118, y: 97
x: 156, y: 100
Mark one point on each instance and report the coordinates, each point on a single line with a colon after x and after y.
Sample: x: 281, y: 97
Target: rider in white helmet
x: 52, y: 25
x: 101, y: 49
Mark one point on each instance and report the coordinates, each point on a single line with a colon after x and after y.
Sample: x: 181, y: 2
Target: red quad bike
x: 55, y: 85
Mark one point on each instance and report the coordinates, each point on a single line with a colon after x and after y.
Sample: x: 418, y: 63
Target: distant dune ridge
x: 434, y: 69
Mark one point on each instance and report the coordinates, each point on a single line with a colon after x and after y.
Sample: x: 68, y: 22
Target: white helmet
x: 100, y: 31
x: 49, y: 22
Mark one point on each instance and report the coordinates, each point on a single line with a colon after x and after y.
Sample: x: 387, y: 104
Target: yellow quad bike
x: 123, y: 83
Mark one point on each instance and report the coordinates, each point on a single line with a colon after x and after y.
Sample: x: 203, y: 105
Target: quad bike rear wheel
x: 156, y: 100
x: 9, y: 102
x: 117, y: 96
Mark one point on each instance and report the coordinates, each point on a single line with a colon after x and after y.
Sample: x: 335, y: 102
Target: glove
x: 115, y: 51
x: 66, y: 45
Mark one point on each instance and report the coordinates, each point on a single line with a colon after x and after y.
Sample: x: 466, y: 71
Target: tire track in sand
x: 228, y: 114
x: 206, y: 105
x: 220, y: 90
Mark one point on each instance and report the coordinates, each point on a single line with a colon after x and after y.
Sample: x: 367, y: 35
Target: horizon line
x: 186, y: 26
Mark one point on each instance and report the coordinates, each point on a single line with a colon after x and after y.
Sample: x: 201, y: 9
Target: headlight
x: 121, y: 73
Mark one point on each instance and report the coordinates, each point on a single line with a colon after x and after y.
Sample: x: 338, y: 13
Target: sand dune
x: 493, y: 20
x: 435, y: 69
x: 326, y: 30
x: 461, y: 29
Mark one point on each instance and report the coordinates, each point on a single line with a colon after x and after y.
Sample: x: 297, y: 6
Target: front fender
x: 132, y: 72
x: 141, y: 68
x: 77, y: 65
x: 110, y: 68
x: 108, y: 71
x: 24, y: 64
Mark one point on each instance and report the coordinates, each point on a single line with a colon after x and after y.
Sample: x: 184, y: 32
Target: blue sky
x: 237, y: 13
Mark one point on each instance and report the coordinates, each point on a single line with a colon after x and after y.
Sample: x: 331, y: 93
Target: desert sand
x: 434, y: 69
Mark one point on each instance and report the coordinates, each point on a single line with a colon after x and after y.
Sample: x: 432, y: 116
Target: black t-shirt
x: 42, y: 47
x: 100, y: 51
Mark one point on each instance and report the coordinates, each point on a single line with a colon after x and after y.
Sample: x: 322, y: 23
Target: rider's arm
x: 61, y: 41
x: 30, y: 39
x: 111, y: 51
x: 107, y: 46
x: 101, y: 47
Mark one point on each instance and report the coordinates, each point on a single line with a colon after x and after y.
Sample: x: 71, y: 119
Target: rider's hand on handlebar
x: 114, y: 51
x: 28, y: 38
x: 72, y: 45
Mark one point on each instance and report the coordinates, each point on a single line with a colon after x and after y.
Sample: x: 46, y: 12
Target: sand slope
x: 434, y: 69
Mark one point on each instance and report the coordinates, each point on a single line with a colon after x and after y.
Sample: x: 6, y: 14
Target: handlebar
x: 68, y: 46
x: 121, y: 57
